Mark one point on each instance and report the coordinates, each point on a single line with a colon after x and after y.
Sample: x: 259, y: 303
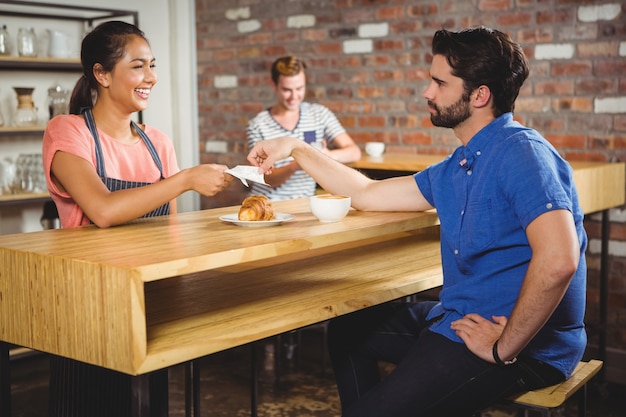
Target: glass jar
x: 5, y: 41
x: 58, y: 101
x: 26, y: 42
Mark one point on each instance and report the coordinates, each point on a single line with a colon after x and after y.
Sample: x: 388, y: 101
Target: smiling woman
x: 102, y: 168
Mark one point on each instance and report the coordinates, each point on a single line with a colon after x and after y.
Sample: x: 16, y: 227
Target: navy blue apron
x: 114, y: 184
x: 79, y: 389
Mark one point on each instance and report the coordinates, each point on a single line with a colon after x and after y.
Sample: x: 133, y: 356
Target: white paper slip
x: 247, y: 173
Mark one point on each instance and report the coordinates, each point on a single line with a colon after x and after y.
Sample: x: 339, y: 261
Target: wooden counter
x: 397, y: 162
x: 161, y: 291
x: 600, y: 185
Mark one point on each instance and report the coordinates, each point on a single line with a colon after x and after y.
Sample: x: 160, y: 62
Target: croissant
x: 256, y: 207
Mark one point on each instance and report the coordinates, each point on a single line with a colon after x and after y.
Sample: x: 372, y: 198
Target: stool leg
x: 254, y: 392
x: 582, y: 401
x: 5, y: 380
x: 192, y: 389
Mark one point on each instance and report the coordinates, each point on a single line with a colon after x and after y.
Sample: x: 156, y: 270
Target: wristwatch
x: 499, y: 361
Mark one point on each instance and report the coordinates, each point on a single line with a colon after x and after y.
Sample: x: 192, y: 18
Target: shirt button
x: 469, y: 172
x: 462, y: 212
x: 456, y: 251
x: 549, y: 205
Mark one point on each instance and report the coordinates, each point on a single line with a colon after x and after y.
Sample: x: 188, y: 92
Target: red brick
x: 567, y: 140
x: 274, y: 51
x: 385, y: 13
x: 571, y: 68
x: 556, y: 16
x: 331, y: 48
x: 315, y: 35
x: 416, y: 138
x: 515, y: 19
x: 359, y: 107
x: 387, y: 137
x: 422, y: 10
x: 259, y: 38
x: 401, y: 91
x: 593, y: 49
x: 359, y: 15
x: 244, y: 53
x: 619, y: 141
x: 493, y: 5
x: 409, y: 121
x: 619, y: 122
x: 578, y: 104
x: 372, y: 121
x: 370, y: 92
x: 376, y: 60
x: 284, y: 37
x: 554, y: 87
x: 417, y: 74
x: 610, y: 67
x: 403, y: 27
x: 545, y: 124
x: 595, y: 86
x: 362, y: 137
x: 223, y: 54
x: 347, y: 122
x: 389, y: 75
x: 388, y: 45
x: 532, y: 104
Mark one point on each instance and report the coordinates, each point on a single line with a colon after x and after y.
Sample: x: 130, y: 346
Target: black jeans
x: 433, y: 376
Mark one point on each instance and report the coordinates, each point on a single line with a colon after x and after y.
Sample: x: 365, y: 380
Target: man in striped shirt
x: 309, y: 122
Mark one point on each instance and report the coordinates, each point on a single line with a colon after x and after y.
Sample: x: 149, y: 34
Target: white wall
x: 169, y: 25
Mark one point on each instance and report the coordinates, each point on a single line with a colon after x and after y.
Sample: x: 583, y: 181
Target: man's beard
x: 452, y: 115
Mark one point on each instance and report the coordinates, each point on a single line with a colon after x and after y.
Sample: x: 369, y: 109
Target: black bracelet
x: 499, y: 361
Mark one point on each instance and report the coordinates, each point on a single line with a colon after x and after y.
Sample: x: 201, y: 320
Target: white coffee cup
x: 375, y: 148
x: 330, y: 208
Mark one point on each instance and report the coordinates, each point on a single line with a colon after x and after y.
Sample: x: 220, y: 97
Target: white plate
x: 278, y: 219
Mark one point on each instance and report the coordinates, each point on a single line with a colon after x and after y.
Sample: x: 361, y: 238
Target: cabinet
x: 42, y: 69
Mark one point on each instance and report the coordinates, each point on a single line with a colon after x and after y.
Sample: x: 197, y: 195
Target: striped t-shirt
x: 316, y: 124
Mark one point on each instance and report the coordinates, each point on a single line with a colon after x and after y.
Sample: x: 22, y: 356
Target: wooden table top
x: 196, y: 241
x: 397, y: 162
x: 161, y: 291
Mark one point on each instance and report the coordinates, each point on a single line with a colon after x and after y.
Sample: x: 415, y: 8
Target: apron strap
x: 91, y: 125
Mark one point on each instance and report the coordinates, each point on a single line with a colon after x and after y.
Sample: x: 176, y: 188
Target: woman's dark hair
x: 287, y: 66
x: 105, y: 45
x: 483, y: 56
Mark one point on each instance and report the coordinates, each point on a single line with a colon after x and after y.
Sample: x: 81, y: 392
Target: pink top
x: 130, y: 162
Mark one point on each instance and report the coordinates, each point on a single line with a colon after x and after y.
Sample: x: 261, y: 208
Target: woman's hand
x: 209, y: 179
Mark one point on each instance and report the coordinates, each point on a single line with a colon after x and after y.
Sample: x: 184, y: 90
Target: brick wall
x: 368, y: 61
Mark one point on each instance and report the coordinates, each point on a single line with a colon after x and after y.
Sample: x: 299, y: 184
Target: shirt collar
x: 481, y: 141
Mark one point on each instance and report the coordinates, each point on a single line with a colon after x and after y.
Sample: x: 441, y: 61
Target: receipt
x: 247, y: 173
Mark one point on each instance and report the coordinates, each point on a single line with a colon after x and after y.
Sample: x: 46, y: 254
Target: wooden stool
x: 548, y: 398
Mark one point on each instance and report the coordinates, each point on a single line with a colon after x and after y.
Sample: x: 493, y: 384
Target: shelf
x: 22, y: 198
x: 17, y: 131
x: 39, y: 63
x: 62, y: 12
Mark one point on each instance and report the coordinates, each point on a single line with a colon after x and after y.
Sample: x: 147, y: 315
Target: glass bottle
x: 26, y: 42
x: 58, y: 101
x: 5, y: 41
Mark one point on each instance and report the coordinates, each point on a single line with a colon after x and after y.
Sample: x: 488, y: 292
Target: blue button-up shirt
x: 486, y: 194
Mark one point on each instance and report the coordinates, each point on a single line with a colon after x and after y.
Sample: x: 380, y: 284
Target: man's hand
x: 479, y: 334
x: 265, y: 153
